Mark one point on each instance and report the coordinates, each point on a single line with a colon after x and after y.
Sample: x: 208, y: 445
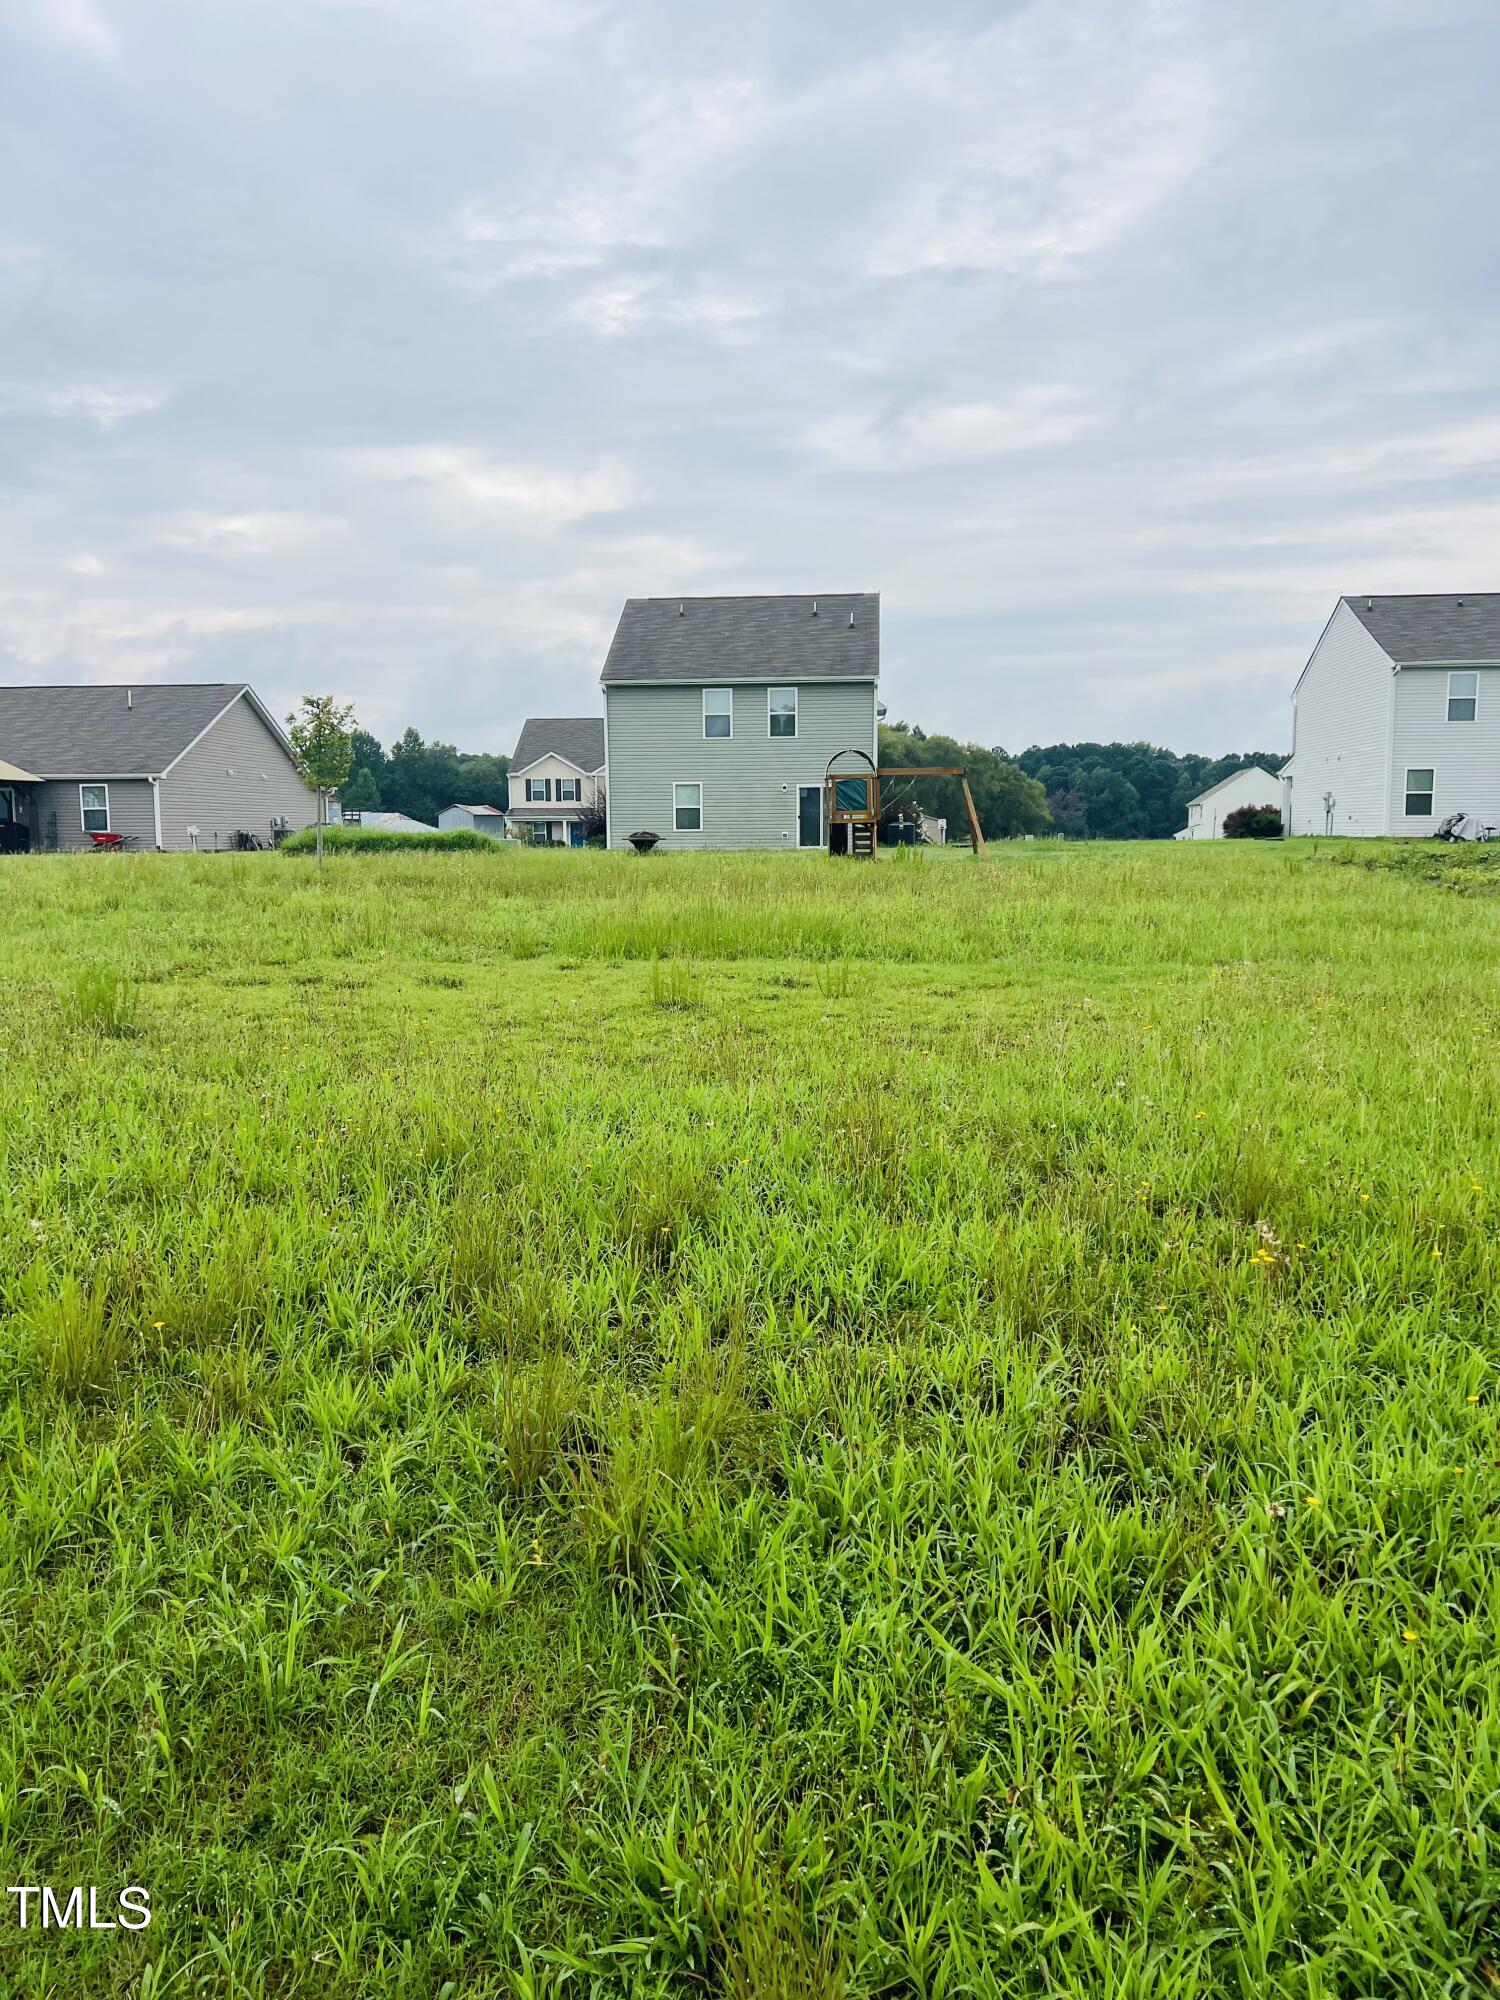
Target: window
x: 718, y: 712
x: 782, y: 704
x: 569, y: 788
x: 687, y: 808
x: 538, y: 791
x: 1463, y: 697
x: 93, y: 805
x: 1418, y: 794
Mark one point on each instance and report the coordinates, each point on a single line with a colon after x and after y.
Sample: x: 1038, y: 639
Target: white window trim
x: 812, y: 846
x: 95, y: 785
x: 1468, y: 674
x: 796, y: 708
x: 1407, y: 788
x: 729, y: 693
x: 562, y: 797
x: 543, y: 794
x: 677, y: 786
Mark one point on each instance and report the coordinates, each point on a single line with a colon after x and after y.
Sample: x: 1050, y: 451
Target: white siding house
x: 1208, y: 812
x: 1396, y: 718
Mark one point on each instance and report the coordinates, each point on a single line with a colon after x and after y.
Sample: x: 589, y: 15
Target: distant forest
x: 1126, y: 791
x: 421, y: 778
x: 1084, y: 791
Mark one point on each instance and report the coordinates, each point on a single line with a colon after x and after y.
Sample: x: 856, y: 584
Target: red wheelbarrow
x: 109, y: 843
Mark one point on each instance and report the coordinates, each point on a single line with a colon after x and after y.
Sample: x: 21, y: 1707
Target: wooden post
x: 974, y: 834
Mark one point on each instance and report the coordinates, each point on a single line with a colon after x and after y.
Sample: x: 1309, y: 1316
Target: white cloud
x: 479, y: 482
x: 254, y: 534
x: 104, y: 403
x: 635, y: 304
x: 665, y: 159
x: 1030, y: 419
x: 1068, y: 129
x: 76, y: 25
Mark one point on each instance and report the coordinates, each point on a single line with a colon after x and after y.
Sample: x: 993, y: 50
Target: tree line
x: 1127, y: 791
x: 419, y: 778
x: 1083, y: 791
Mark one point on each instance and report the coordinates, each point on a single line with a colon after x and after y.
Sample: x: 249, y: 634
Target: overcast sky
x: 385, y: 346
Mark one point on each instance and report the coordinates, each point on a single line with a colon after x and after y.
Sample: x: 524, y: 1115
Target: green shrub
x: 383, y: 840
x: 1253, y: 823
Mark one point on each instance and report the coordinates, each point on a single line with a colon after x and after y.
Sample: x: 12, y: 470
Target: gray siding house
x: 146, y: 763
x: 721, y: 715
x: 1396, y: 718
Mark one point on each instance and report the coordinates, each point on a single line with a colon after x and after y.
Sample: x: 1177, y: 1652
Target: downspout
x: 1390, y: 747
x: 156, y: 810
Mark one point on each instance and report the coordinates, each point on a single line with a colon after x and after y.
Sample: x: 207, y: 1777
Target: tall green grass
x: 753, y: 1426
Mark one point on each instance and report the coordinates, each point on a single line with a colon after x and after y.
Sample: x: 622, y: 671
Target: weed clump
x: 77, y: 1339
x: 104, y: 1002
x: 674, y: 984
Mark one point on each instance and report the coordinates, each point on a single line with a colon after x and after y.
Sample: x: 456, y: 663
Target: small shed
x: 473, y: 819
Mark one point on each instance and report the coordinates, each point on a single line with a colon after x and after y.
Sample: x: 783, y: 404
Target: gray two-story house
x: 721, y: 715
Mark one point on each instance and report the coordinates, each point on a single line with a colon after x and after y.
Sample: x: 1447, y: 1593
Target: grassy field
x: 772, y: 1428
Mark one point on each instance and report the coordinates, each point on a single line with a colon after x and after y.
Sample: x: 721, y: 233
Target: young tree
x: 323, y: 745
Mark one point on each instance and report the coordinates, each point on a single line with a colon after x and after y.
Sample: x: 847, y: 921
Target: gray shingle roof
x: 1437, y: 629
x: 712, y: 640
x: 579, y: 739
x: 91, y: 732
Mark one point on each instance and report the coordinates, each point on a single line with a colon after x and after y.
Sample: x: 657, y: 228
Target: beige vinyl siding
x: 59, y: 819
x: 552, y: 768
x: 1464, y: 757
x: 1342, y: 735
x: 749, y: 779
x: 237, y: 778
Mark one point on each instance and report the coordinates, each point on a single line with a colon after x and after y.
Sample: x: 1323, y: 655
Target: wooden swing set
x: 853, y: 801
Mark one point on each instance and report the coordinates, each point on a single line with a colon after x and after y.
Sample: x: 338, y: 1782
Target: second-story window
x: 718, y: 712
x: 569, y: 789
x: 1463, y: 697
x: 538, y: 791
x: 782, y: 705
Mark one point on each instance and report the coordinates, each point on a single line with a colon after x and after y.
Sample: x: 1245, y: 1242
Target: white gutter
x: 156, y: 809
